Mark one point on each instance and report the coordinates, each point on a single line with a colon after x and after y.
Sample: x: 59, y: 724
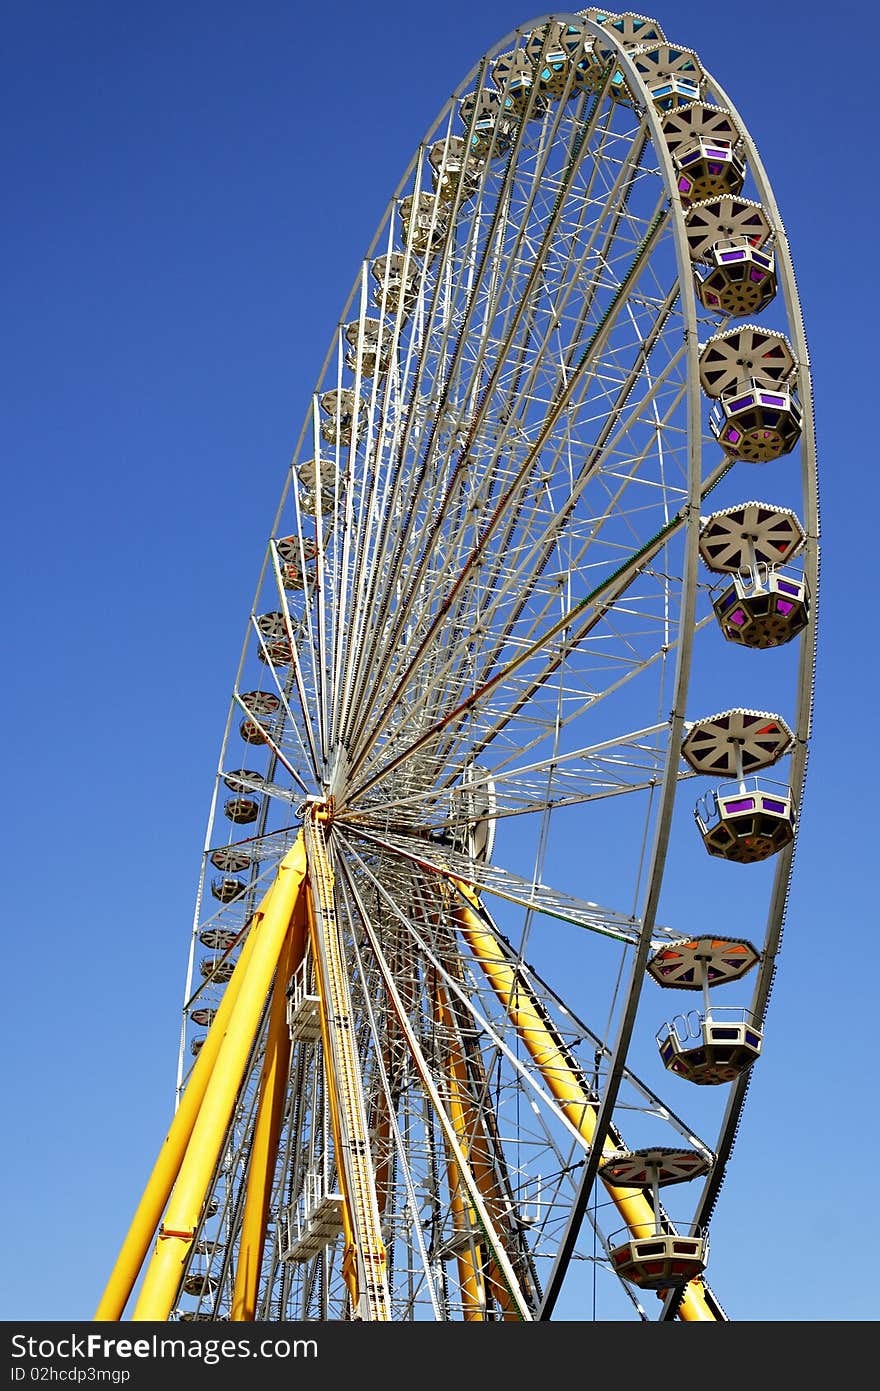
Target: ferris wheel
x: 504, y: 821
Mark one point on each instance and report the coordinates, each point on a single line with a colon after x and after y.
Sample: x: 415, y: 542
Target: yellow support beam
x: 470, y: 1270
x: 561, y: 1078
x: 176, y: 1234
x: 472, y: 1125
x: 161, y: 1181
x: 267, y: 1129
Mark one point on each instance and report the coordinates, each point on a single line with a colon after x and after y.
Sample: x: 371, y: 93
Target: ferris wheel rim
x: 683, y: 651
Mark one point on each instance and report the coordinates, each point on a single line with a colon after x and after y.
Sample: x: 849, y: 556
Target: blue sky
x: 190, y: 189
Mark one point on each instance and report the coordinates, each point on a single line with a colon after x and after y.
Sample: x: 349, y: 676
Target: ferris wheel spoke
x: 575, y: 625
x: 581, y: 669
x: 518, y: 588
x: 521, y: 303
x: 269, y: 739
x: 475, y: 999
x: 531, y: 683
x: 380, y: 436
x: 455, y: 867
x: 414, y: 660
x: 467, y: 1122
x: 538, y: 547
x: 520, y: 744
x: 626, y: 763
x: 368, y: 534
x: 466, y: 569
x: 289, y: 657
x: 453, y: 979
x: 396, y: 558
x: 556, y: 1004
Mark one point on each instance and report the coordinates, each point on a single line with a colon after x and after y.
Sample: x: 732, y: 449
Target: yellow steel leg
x: 469, y: 1123
x: 560, y: 1077
x: 209, y: 1132
x: 470, y: 1273
x: 267, y: 1128
x: 161, y: 1181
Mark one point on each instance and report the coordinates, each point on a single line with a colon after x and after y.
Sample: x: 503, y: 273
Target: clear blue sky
x: 189, y: 189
